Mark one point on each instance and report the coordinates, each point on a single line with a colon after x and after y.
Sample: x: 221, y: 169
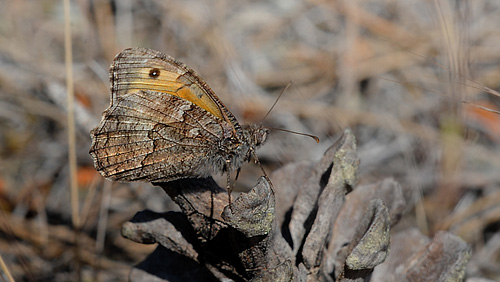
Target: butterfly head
x: 256, y: 134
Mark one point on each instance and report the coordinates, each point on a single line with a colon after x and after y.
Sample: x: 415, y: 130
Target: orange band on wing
x: 173, y: 84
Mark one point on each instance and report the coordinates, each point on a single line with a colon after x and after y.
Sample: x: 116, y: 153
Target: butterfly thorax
x: 236, y: 148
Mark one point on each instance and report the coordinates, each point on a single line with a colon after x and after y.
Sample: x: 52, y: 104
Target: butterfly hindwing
x: 155, y: 136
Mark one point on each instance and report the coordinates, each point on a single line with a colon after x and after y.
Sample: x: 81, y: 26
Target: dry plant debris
x: 325, y: 236
x: 396, y: 72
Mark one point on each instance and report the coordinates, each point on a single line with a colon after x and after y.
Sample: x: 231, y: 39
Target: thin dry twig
x: 5, y: 270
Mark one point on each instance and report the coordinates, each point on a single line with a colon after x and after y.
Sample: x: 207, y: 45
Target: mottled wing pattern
x: 154, y: 136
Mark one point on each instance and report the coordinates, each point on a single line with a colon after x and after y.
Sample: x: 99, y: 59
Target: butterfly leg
x: 229, y: 187
x: 237, y: 174
x: 256, y: 159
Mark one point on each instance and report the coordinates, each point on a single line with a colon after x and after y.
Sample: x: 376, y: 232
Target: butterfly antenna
x: 316, y: 138
x: 285, y: 130
x: 277, y: 99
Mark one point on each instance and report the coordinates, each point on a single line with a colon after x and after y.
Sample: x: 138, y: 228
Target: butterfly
x: 165, y: 123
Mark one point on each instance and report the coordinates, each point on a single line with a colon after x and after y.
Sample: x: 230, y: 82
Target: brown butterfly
x: 164, y: 123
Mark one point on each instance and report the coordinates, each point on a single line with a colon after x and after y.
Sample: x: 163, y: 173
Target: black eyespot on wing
x: 154, y: 73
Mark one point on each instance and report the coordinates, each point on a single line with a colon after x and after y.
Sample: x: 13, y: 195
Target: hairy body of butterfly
x: 164, y: 123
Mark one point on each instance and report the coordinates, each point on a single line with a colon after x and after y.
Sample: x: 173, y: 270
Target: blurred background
x: 415, y: 80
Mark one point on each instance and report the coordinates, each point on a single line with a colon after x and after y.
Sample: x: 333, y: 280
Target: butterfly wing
x: 154, y: 136
x: 145, y: 69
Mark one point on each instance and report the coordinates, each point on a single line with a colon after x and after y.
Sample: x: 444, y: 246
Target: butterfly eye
x: 154, y: 73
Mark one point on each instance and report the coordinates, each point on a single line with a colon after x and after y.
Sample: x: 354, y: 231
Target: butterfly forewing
x: 144, y: 69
